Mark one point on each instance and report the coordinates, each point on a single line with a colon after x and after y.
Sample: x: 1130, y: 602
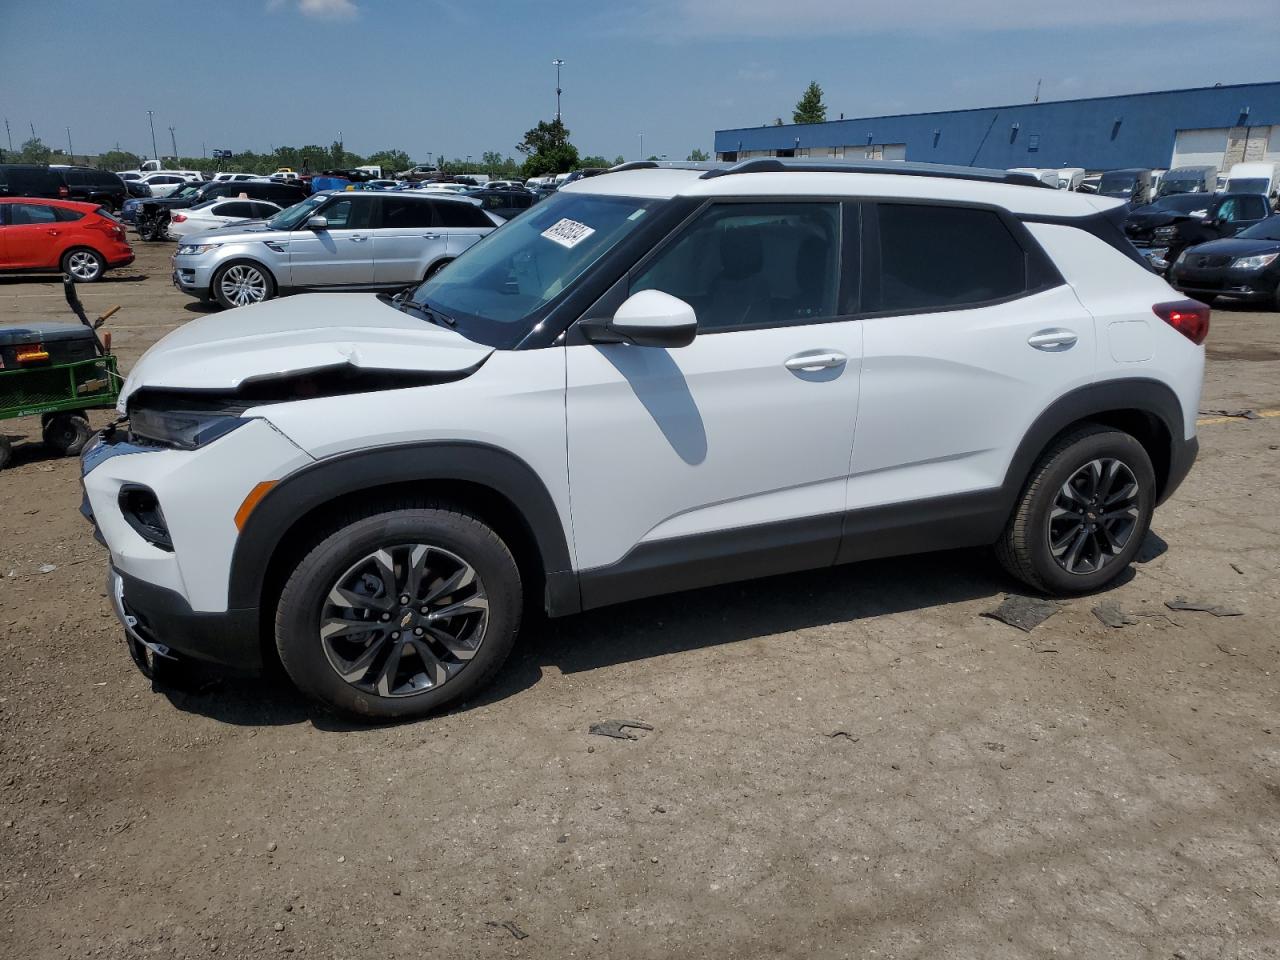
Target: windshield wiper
x: 402, y: 302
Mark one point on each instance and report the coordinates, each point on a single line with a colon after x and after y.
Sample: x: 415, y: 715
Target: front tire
x: 1083, y: 513
x: 83, y: 265
x: 241, y: 283
x: 399, y: 613
x: 67, y: 433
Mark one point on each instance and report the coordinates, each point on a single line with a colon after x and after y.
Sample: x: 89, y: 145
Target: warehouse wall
x: 1104, y: 133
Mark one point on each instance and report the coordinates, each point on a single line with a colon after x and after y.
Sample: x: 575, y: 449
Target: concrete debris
x: 1025, y: 613
x: 1203, y: 606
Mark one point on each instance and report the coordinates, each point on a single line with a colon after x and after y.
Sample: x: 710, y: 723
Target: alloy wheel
x: 404, y: 619
x: 1094, y: 516
x: 83, y: 265
x: 242, y: 284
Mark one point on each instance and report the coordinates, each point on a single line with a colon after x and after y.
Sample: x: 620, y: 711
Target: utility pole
x: 8, y: 134
x: 33, y: 129
x: 70, y: 151
x: 557, y: 63
x: 641, y: 136
x: 203, y: 151
x: 155, y: 152
x: 173, y: 140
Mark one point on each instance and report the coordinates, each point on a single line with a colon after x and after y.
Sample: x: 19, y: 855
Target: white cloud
x: 703, y: 19
x: 319, y: 9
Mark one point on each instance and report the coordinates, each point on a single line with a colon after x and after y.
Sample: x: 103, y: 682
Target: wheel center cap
x: 407, y: 619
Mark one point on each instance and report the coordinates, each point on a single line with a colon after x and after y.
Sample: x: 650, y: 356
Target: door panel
x: 946, y: 397
x: 34, y: 241
x: 340, y: 255
x: 406, y: 241
x: 713, y: 437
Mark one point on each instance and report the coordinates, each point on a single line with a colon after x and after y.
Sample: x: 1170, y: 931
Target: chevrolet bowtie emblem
x: 406, y: 619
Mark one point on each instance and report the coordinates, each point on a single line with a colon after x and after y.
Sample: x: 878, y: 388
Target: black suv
x: 1170, y: 225
x: 283, y: 193
x: 31, y: 180
x: 93, y: 186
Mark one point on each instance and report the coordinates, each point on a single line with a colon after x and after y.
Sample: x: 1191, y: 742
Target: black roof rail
x: 709, y: 165
x: 900, y: 168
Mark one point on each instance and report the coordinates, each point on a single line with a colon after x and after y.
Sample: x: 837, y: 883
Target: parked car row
x: 99, y: 187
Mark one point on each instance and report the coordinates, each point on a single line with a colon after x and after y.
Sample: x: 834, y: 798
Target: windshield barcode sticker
x: 568, y: 233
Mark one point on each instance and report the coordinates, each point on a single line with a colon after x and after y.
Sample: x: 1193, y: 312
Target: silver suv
x: 334, y: 240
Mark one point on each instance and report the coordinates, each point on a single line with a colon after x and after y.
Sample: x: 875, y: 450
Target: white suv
x: 655, y: 380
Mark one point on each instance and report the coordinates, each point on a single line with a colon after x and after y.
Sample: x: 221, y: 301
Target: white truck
x: 1255, y: 177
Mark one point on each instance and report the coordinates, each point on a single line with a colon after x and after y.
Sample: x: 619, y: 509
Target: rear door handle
x: 431, y: 236
x: 816, y: 360
x: 359, y: 239
x: 1053, y: 341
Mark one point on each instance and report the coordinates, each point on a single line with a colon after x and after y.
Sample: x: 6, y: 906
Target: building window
x: 786, y: 153
x: 1033, y: 143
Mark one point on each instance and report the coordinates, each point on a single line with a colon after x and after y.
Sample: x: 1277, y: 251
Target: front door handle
x: 818, y: 360
x: 359, y: 239
x: 431, y: 236
x: 1053, y: 341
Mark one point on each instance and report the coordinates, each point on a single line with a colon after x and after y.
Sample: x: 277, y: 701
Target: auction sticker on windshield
x: 568, y: 233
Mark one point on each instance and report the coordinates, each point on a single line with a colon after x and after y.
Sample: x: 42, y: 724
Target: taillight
x: 63, y: 192
x: 1189, y: 317
x: 178, y: 217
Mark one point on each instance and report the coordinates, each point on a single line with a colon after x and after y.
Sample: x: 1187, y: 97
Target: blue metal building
x: 1219, y: 125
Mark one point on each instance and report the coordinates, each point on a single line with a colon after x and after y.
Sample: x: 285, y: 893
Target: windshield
x: 296, y: 215
x: 495, y: 292
x: 1117, y: 185
x: 1181, y: 186
x: 189, y: 191
x: 1268, y: 229
x: 1182, y: 203
x: 1252, y: 185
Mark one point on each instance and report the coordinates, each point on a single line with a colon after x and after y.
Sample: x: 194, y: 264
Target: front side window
x: 347, y: 213
x: 938, y: 257
x: 752, y: 265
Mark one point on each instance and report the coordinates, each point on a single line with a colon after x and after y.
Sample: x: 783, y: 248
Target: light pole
x: 558, y: 63
x: 70, y: 151
x: 173, y: 140
x: 8, y: 134
x: 150, y: 119
x: 641, y: 136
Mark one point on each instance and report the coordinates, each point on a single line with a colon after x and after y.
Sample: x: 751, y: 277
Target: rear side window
x: 67, y: 215
x: 264, y: 210
x: 406, y: 213
x: 938, y: 257
x: 236, y: 208
x: 76, y: 178
x: 460, y: 215
x: 27, y: 214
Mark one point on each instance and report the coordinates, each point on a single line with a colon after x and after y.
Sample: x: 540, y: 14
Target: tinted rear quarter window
x: 460, y: 215
x: 67, y: 215
x: 939, y: 257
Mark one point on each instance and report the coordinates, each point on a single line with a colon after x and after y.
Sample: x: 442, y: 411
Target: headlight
x: 195, y: 249
x: 186, y: 430
x: 1254, y: 263
x: 1164, y: 232
x: 1182, y: 256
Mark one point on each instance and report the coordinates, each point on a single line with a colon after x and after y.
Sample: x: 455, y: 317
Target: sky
x: 461, y: 78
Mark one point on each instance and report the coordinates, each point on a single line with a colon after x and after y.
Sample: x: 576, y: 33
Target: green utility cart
x: 57, y: 371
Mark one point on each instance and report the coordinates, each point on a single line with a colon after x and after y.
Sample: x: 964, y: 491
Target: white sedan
x: 213, y: 214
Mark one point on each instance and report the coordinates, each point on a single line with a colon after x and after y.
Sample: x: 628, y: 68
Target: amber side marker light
x: 259, y: 491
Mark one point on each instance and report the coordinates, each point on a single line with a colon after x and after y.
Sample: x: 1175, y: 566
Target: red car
x: 80, y: 239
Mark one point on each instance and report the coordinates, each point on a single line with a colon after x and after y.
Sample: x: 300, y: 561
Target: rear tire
x: 67, y: 433
x: 346, y: 638
x: 83, y: 265
x: 1083, y: 514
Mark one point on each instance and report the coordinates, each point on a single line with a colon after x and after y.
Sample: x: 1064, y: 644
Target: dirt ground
x: 850, y: 763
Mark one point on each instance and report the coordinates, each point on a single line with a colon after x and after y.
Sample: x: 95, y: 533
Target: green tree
x: 390, y: 160
x: 810, y: 108
x: 697, y: 154
x: 34, y: 151
x: 119, y: 160
x: 619, y: 160
x: 594, y: 161
x: 547, y: 149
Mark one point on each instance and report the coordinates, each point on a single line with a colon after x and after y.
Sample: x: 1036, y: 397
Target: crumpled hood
x: 298, y: 334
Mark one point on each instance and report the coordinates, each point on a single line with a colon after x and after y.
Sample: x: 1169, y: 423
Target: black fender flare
x: 1100, y: 399
x: 324, y: 481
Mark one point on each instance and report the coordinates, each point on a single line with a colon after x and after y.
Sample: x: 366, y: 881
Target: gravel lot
x: 850, y: 763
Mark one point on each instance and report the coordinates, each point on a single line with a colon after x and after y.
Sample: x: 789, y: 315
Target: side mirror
x: 649, y: 318
x: 317, y: 223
